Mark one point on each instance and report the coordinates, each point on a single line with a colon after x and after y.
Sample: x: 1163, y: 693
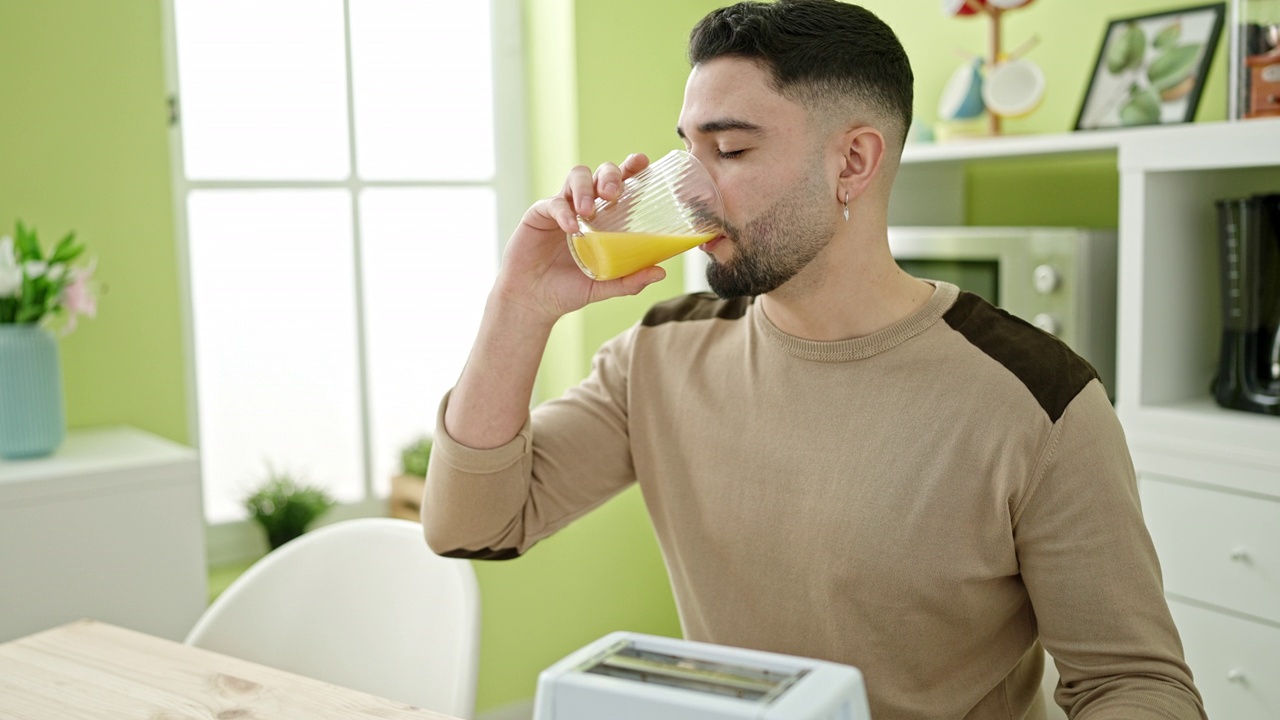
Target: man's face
x: 756, y: 145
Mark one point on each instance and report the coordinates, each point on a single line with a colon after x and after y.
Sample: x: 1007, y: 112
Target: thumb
x: 629, y: 285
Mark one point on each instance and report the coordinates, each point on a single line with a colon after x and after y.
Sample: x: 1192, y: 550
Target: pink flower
x: 78, y: 298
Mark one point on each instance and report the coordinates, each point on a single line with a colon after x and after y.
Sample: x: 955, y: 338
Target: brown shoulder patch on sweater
x: 1050, y: 370
x: 697, y: 306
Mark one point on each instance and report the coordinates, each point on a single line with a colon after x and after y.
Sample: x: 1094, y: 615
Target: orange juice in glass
x: 667, y: 208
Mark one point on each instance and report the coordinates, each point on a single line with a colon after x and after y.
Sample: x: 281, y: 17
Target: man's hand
x: 538, y: 283
x: 538, y: 272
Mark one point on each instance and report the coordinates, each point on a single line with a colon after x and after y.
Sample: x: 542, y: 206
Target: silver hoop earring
x: 846, y: 206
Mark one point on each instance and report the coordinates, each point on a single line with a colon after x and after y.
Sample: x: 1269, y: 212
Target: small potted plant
x: 406, y: 488
x: 285, y: 508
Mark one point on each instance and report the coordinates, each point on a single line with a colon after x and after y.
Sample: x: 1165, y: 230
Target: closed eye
x: 729, y: 154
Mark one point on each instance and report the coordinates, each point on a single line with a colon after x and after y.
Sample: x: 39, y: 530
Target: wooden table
x: 93, y: 670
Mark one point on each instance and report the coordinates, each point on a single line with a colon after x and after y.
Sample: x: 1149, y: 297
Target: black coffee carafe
x: 1249, y: 366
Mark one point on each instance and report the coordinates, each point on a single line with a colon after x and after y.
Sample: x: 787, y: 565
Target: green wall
x: 83, y: 146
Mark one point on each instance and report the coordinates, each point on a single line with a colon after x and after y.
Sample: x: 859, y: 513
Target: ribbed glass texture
x: 673, y: 196
x: 32, y: 420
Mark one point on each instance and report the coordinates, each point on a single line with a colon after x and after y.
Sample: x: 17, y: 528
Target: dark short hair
x: 815, y: 51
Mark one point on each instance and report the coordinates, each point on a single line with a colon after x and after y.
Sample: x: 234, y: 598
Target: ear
x: 863, y: 152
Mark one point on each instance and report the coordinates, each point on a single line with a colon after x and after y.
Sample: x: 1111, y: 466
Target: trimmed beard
x: 775, y: 245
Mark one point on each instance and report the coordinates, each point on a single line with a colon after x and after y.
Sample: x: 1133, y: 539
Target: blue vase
x: 32, y: 422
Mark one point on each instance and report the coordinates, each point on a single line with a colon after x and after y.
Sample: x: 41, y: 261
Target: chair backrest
x: 1048, y: 684
x: 364, y: 604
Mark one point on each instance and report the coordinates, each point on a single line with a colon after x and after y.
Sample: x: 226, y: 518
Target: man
x: 840, y: 461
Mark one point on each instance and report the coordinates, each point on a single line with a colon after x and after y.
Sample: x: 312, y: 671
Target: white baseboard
x: 519, y: 710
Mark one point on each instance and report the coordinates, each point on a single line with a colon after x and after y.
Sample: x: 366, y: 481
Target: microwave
x: 1062, y: 280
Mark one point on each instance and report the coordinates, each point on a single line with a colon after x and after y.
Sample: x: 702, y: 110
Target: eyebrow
x: 717, y: 126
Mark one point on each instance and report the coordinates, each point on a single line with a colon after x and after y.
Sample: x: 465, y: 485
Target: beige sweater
x: 924, y: 503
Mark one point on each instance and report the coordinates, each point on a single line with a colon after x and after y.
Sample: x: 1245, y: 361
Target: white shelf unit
x: 109, y: 527
x: 1209, y: 477
x: 1169, y: 305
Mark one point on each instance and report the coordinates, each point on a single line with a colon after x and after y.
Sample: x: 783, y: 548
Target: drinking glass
x: 669, y: 207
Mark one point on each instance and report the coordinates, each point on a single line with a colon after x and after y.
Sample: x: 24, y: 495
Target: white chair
x: 364, y: 604
x: 1048, y: 684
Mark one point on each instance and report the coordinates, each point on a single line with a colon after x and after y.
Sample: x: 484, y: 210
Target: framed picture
x: 1151, y: 68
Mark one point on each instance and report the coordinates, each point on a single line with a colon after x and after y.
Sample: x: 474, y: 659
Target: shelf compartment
x: 1170, y: 320
x: 1199, y: 441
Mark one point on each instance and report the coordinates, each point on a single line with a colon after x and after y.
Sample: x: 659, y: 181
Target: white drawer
x: 1216, y: 547
x: 1236, y: 663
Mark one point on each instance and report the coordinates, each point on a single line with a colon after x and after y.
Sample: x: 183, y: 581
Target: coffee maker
x: 1249, y: 365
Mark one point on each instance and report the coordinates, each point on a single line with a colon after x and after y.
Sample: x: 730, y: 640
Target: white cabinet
x: 1236, y: 662
x: 1217, y: 547
x: 1209, y: 477
x: 1220, y: 552
x: 109, y: 527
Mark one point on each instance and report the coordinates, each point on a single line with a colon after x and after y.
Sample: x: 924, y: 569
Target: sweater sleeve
x: 1093, y: 577
x: 572, y: 455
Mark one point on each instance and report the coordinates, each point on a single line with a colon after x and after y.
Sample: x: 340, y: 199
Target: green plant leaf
x: 1127, y: 51
x: 415, y: 458
x: 27, y: 243
x: 1143, y: 108
x: 1168, y: 36
x: 29, y: 313
x: 284, y: 508
x: 66, y: 250
x: 33, y: 303
x: 1173, y: 66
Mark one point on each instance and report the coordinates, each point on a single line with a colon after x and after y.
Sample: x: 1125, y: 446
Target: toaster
x: 630, y: 676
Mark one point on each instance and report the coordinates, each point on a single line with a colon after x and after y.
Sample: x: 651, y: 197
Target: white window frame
x: 238, y: 541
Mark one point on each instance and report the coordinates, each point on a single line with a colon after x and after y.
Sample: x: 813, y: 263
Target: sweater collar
x: 944, y: 296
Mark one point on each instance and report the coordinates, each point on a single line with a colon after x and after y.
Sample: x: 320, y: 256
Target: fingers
x: 634, y: 164
x: 581, y: 188
x: 609, y: 177
x: 579, y: 191
x: 608, y: 181
x: 561, y: 214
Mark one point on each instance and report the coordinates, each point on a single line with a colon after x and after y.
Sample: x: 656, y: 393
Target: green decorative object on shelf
x: 285, y: 509
x: 39, y: 292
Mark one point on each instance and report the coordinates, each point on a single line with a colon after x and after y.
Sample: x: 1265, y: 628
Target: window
x: 341, y: 179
